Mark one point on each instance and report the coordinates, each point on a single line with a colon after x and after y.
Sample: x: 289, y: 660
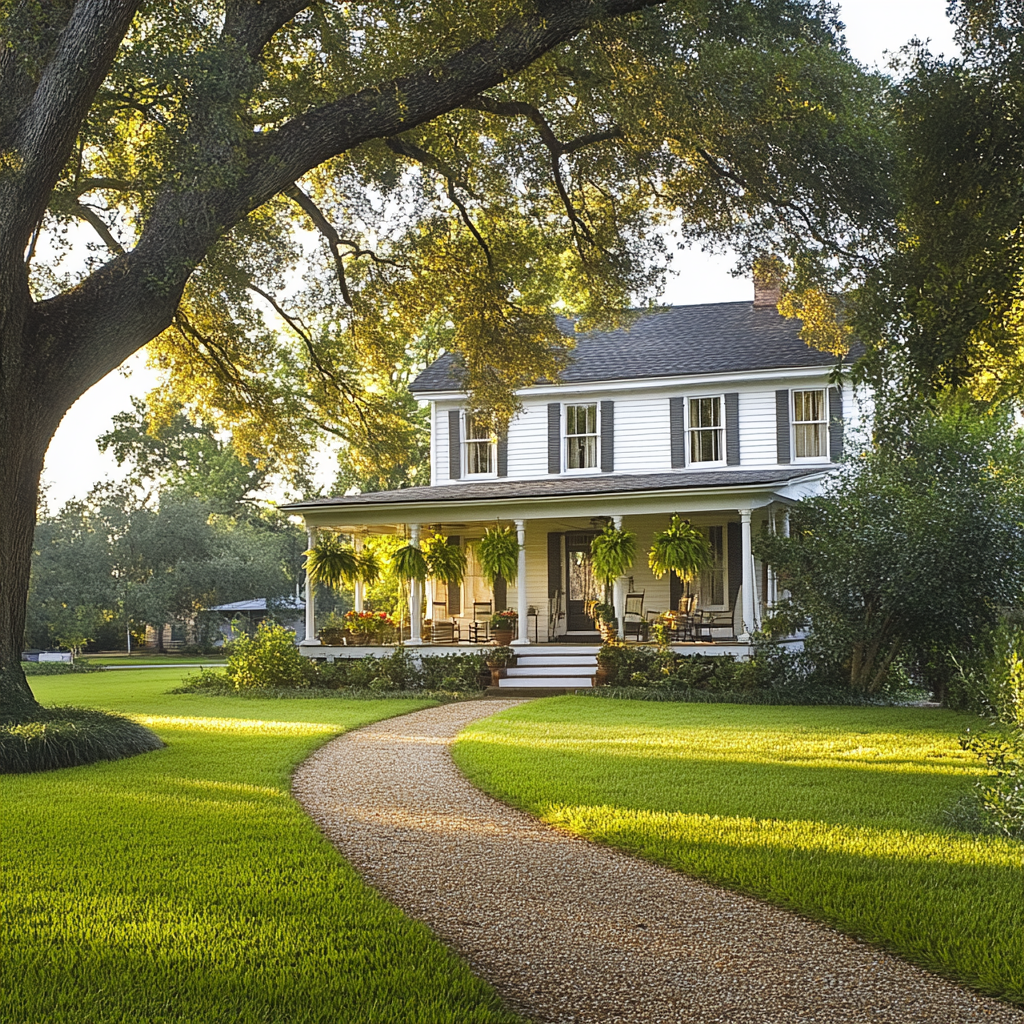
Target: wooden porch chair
x: 442, y: 629
x: 633, y: 622
x: 480, y: 626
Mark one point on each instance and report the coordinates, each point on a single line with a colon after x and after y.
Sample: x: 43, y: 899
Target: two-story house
x: 718, y: 412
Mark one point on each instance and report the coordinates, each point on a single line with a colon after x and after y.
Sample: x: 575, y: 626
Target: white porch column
x: 310, y: 639
x: 521, y: 603
x: 747, y: 554
x: 415, y: 596
x: 785, y: 533
x: 358, y: 587
x: 771, y: 597
x: 619, y: 590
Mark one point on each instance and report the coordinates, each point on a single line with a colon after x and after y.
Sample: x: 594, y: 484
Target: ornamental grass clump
x: 63, y: 737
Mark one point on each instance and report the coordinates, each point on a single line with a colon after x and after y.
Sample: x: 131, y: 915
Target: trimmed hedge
x: 63, y: 737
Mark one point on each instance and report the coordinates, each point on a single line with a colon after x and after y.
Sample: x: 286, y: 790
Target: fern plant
x: 330, y: 562
x: 612, y: 552
x: 499, y: 554
x: 445, y: 562
x: 409, y: 563
x: 682, y: 549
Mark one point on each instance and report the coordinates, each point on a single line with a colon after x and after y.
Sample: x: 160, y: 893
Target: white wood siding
x: 642, y: 435
x: 439, y: 443
x: 758, y: 445
x: 528, y: 442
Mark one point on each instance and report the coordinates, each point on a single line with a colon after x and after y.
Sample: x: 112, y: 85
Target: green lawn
x: 834, y: 812
x: 153, y: 659
x: 187, y: 885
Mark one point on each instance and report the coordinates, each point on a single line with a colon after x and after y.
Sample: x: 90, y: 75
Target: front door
x: 580, y: 585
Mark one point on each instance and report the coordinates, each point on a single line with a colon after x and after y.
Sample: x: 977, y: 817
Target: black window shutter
x: 782, y: 425
x: 454, y: 589
x: 503, y: 455
x: 734, y: 554
x: 454, y: 445
x: 500, y: 594
x: 677, y: 432
x: 607, y: 437
x: 835, y: 424
x: 554, y: 437
x: 732, y: 428
x: 554, y: 564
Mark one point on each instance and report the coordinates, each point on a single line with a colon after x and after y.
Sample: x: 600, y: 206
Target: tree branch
x: 90, y: 216
x: 327, y: 229
x: 254, y: 22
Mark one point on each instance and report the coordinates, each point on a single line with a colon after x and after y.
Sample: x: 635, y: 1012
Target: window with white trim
x: 478, y: 446
x: 707, y: 434
x: 810, y: 425
x: 581, y: 437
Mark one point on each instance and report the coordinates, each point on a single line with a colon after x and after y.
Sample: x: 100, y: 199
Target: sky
x: 74, y: 462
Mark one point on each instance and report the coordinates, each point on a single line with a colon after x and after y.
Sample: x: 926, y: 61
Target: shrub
x: 206, y: 681
x: 270, y: 658
x: 57, y: 668
x: 455, y: 672
x: 63, y: 737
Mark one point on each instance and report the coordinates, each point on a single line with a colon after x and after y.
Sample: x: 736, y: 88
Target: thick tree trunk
x: 23, y: 443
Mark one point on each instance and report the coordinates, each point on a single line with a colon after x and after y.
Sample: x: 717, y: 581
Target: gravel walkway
x: 567, y: 930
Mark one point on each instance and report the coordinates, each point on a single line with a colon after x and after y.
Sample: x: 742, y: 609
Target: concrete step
x: 530, y: 682
x: 504, y: 692
x: 556, y: 659
x: 551, y: 670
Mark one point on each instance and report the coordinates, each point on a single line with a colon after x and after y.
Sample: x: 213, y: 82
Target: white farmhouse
x: 718, y: 412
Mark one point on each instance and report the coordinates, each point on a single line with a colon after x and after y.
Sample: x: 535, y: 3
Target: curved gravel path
x: 567, y: 930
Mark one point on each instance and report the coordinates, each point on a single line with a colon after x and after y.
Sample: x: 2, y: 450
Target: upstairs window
x: 581, y: 447
x: 707, y: 442
x: 810, y: 425
x: 478, y: 446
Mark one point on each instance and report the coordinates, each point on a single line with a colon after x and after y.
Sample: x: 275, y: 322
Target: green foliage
x: 268, y: 659
x: 331, y: 562
x: 63, y: 737
x: 58, y: 668
x: 612, y: 553
x: 498, y: 554
x: 409, y: 563
x: 445, y: 562
x: 681, y: 549
x: 835, y: 813
x: 909, y: 553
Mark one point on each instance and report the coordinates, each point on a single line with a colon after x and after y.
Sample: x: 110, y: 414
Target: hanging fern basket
x: 498, y: 553
x: 682, y: 549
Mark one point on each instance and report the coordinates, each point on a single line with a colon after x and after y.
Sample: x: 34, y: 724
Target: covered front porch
x: 554, y: 522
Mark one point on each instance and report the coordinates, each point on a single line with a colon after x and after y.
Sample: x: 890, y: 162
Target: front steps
x: 552, y: 669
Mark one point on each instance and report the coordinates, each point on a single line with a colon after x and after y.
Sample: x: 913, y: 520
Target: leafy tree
x: 909, y: 554
x: 469, y: 168
x: 179, y: 455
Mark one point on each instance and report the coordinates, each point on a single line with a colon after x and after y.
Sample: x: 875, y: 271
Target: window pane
x: 581, y: 419
x: 477, y: 429
x: 581, y: 452
x: 809, y: 440
x: 705, y: 446
x: 808, y: 406
x: 705, y: 412
x: 478, y: 457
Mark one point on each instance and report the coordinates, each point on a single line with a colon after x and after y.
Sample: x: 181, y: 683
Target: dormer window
x: 706, y: 431
x: 478, y: 446
x: 581, y: 437
x: 810, y: 425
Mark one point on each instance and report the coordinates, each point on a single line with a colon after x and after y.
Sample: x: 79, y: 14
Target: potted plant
x: 607, y: 662
x: 682, y: 549
x: 332, y: 563
x: 446, y: 562
x: 604, y: 618
x: 334, y: 631
x: 497, y: 660
x: 612, y: 552
x: 498, y: 553
x: 503, y: 626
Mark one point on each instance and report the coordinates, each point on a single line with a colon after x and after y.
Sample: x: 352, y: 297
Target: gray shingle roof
x: 719, y: 337
x: 564, y: 486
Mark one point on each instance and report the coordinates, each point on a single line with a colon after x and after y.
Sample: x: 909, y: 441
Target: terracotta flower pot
x: 503, y: 637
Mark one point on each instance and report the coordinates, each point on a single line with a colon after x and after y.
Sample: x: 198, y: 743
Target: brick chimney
x: 767, y: 289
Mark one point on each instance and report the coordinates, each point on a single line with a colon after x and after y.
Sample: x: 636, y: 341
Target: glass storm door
x: 580, y: 585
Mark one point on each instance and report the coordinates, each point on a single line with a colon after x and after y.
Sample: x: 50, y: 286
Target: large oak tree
x: 470, y: 167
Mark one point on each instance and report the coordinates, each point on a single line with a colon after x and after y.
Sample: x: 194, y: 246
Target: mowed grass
x: 187, y: 885
x: 152, y: 659
x: 833, y: 812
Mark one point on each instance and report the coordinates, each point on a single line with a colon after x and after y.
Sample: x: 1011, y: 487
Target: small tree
x: 908, y: 555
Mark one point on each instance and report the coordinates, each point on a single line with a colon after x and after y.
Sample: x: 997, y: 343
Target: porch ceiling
x: 613, y: 494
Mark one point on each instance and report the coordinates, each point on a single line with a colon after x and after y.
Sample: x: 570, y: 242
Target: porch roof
x: 495, y: 492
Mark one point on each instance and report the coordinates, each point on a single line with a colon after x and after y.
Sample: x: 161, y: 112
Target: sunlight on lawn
x: 837, y: 813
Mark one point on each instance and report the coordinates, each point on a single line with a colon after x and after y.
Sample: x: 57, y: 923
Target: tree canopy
x: 469, y: 168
